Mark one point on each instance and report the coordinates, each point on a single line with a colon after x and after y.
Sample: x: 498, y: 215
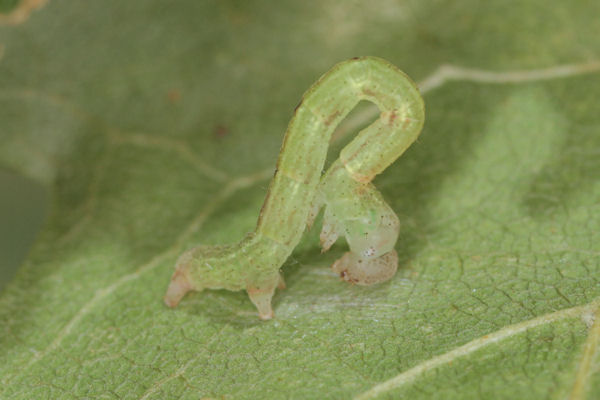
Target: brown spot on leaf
x: 174, y: 96
x: 237, y: 18
x: 220, y: 131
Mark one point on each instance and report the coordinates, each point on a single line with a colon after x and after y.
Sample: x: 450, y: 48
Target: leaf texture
x: 156, y: 127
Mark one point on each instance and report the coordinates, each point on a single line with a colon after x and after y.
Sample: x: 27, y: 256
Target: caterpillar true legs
x: 353, y: 207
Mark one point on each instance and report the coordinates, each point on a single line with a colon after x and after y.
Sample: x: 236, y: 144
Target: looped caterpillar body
x: 353, y: 207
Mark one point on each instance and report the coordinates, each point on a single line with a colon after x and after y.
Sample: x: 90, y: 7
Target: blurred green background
x: 7, y: 5
x: 22, y: 208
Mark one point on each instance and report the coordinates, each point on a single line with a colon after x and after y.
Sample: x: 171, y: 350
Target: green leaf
x: 156, y: 125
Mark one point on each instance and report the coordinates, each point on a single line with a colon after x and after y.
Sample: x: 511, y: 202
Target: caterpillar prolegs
x: 298, y: 190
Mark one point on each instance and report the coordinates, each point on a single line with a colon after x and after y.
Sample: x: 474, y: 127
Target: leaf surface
x: 156, y: 127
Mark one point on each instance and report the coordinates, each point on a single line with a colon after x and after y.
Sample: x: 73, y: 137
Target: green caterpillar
x: 353, y: 207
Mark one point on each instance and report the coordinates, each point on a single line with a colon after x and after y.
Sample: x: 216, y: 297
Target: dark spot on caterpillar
x: 298, y: 106
x: 355, y: 58
x: 392, y: 117
x: 344, y: 275
x: 369, y: 92
x: 332, y: 117
x: 262, y: 209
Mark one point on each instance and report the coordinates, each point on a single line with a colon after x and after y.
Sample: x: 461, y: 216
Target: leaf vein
x: 448, y: 72
x: 172, y: 251
x: 143, y: 140
x: 415, y: 372
x: 590, y: 352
